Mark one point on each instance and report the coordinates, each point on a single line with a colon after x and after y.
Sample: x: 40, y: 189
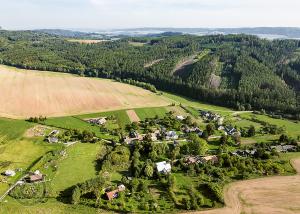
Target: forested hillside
x: 239, y: 71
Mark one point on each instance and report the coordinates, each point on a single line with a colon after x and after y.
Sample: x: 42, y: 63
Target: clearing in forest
x: 26, y: 93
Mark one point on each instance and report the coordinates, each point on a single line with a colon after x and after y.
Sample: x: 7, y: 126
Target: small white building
x: 10, y: 173
x: 163, y: 167
x: 37, y: 172
x: 180, y: 117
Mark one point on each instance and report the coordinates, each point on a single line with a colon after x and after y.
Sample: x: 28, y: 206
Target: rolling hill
x: 31, y: 93
x: 238, y: 71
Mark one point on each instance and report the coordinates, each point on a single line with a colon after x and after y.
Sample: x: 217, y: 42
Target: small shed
x: 10, y: 173
x: 163, y: 167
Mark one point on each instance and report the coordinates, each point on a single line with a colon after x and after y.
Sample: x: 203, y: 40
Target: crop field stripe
x: 133, y: 116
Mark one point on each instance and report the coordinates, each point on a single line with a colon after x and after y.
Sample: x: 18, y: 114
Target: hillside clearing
x: 54, y: 94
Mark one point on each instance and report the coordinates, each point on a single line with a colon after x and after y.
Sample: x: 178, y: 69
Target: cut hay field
x: 26, y: 93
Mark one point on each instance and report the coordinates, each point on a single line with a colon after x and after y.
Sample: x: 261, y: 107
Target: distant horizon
x: 124, y: 14
x: 133, y: 28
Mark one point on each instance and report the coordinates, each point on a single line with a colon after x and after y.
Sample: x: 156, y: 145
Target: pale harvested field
x: 32, y: 93
x: 274, y: 195
x: 87, y: 41
x: 133, y: 116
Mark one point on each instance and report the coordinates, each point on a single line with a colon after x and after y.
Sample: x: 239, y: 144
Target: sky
x: 111, y: 14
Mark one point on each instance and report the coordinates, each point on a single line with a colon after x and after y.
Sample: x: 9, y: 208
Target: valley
x: 158, y: 124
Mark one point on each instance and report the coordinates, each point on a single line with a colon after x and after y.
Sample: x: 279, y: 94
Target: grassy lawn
x: 198, y: 105
x: 287, y: 157
x: 121, y: 115
x: 144, y: 113
x: 77, y: 122
x: 50, y: 207
x: 21, y: 154
x: 244, y: 123
x: 78, y: 166
x: 12, y: 129
x: 70, y: 123
x: 292, y: 128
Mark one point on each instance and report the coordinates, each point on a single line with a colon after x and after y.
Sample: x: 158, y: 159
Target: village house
x: 171, y: 135
x: 35, y: 177
x: 180, y: 117
x: 209, y: 159
x: 192, y: 160
x: 97, y: 121
x: 133, y: 137
x: 52, y: 139
x: 207, y: 115
x: 231, y: 131
x: 115, y: 193
x: 284, y: 148
x: 244, y: 153
x: 163, y: 167
x: 187, y: 129
x: 9, y: 173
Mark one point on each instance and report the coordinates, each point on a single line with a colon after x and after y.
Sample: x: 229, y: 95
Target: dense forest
x: 238, y: 71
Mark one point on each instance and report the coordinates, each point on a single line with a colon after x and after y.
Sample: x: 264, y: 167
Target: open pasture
x: 34, y: 93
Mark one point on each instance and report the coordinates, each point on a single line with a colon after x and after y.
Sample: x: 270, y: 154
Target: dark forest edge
x: 238, y: 71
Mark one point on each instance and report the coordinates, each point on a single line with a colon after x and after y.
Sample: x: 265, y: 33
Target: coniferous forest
x: 239, y: 71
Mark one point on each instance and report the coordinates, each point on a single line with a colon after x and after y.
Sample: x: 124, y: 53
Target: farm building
x: 52, y: 139
x: 97, y: 121
x: 163, y: 167
x: 171, y: 135
x: 244, y: 153
x: 10, y: 173
x: 285, y: 148
x: 35, y: 177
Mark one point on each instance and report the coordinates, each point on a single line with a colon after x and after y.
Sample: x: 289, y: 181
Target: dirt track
x: 273, y: 195
x: 32, y: 93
